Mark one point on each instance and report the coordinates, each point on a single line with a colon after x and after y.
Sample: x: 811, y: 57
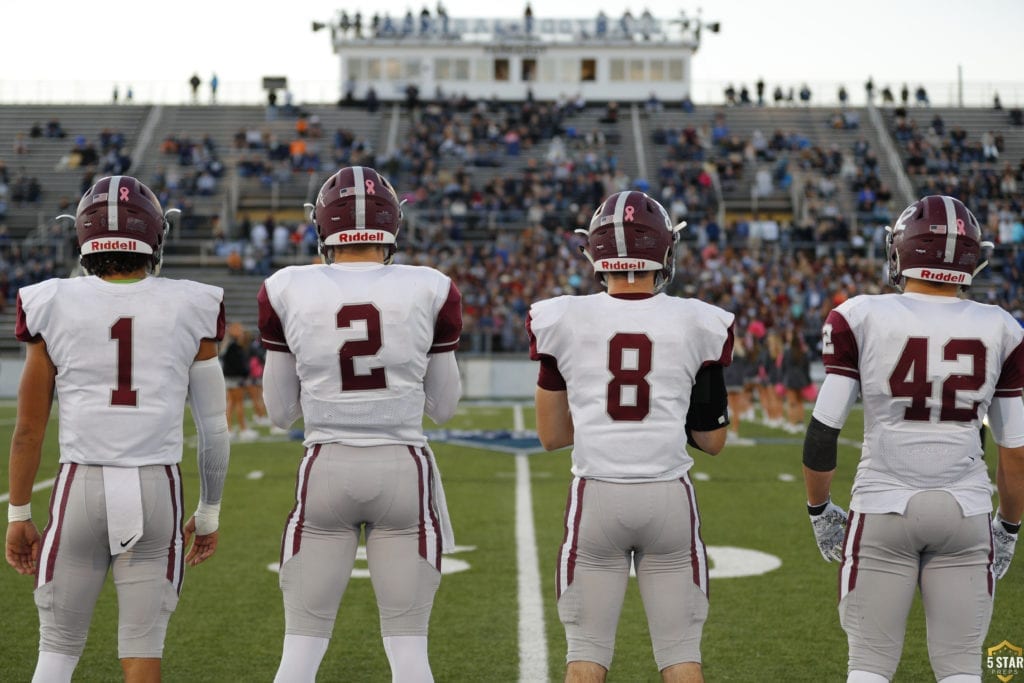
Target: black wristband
x: 815, y: 510
x: 1010, y: 527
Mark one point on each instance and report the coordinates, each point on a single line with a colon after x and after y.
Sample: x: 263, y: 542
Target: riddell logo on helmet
x: 114, y: 245
x: 934, y: 276
x: 621, y: 265
x: 362, y: 236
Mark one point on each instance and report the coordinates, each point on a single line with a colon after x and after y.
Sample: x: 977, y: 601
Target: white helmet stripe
x: 112, y: 193
x: 360, y: 193
x: 620, y: 232
x: 951, y: 230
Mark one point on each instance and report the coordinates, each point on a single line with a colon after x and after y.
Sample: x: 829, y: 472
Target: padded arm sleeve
x: 821, y: 444
x: 709, y: 401
x: 206, y: 395
x: 1006, y: 418
x: 442, y: 386
x: 281, y: 389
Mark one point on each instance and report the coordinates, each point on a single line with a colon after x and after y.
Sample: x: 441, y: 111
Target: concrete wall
x: 10, y: 375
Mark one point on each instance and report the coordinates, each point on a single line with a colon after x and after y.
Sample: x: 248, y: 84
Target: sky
x: 81, y: 50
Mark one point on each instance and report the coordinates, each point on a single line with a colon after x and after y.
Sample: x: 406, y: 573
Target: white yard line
x: 45, y: 484
x: 533, y: 643
x: 517, y: 417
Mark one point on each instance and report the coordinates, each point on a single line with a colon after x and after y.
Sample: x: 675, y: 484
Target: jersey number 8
x: 629, y: 362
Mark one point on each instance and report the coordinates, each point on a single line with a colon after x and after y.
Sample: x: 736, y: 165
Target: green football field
x: 773, y: 599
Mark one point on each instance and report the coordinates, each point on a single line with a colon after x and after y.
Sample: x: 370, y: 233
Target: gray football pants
x: 76, y: 554
x: 654, y: 525
x: 887, y: 556
x: 341, y: 490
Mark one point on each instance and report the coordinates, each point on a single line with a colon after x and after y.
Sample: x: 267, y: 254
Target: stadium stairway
x: 238, y: 196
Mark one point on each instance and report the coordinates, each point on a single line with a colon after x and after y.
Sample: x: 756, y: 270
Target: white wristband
x: 207, y: 518
x: 19, y: 513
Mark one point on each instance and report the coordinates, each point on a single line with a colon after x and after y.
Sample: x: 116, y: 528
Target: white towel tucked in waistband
x: 447, y: 533
x: 123, y: 491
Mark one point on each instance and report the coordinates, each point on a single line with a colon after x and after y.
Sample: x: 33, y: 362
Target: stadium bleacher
x: 631, y: 150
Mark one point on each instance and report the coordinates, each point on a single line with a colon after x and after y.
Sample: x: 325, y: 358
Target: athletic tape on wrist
x: 19, y: 513
x: 207, y: 518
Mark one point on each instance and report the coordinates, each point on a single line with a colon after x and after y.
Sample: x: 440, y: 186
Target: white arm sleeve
x: 206, y: 395
x: 281, y: 389
x: 1006, y: 418
x: 835, y: 398
x: 443, y: 387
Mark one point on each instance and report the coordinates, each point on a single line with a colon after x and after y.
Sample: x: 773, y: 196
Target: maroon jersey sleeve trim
x: 21, y: 330
x: 448, y: 328
x: 844, y: 358
x: 1012, y: 374
x: 845, y: 372
x: 221, y: 325
x: 726, y: 357
x: 271, y: 329
x: 550, y: 377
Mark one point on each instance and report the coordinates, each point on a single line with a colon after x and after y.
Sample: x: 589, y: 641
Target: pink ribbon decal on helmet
x: 629, y: 213
x: 369, y: 187
x: 124, y: 194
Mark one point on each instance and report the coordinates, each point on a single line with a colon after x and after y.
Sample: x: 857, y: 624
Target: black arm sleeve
x: 820, y: 446
x: 709, y: 401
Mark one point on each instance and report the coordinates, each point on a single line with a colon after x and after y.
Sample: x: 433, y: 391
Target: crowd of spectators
x: 948, y: 159
x: 194, y: 169
x: 494, y: 190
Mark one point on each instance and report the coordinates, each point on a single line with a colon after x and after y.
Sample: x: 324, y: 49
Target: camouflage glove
x: 829, y: 523
x: 1004, y: 539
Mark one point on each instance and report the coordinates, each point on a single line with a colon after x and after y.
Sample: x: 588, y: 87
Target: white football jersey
x: 122, y: 353
x: 928, y: 368
x: 629, y: 365
x: 361, y: 334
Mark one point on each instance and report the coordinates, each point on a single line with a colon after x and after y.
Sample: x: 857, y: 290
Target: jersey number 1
x: 123, y: 394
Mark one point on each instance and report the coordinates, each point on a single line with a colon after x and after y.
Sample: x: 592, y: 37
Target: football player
x: 123, y: 351
x: 929, y: 365
x: 361, y: 348
x: 628, y: 377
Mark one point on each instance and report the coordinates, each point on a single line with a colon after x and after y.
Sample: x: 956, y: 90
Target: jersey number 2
x: 370, y: 346
x: 909, y: 379
x: 633, y: 376
x: 123, y: 394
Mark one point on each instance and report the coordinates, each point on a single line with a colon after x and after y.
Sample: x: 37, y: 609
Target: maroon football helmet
x: 119, y: 213
x: 631, y: 231
x: 357, y: 205
x: 936, y: 239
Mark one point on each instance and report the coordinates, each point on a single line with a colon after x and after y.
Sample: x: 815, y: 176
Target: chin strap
x: 172, y: 219
x: 981, y: 266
